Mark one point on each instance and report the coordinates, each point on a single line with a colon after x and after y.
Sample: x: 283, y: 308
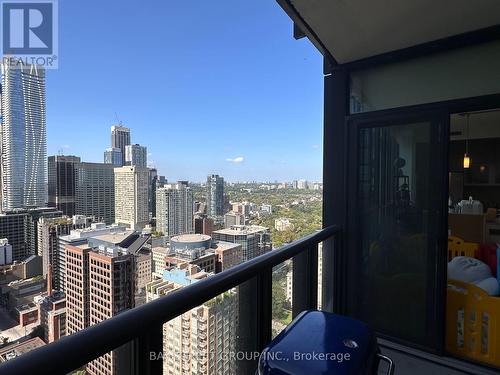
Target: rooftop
x: 15, y: 350
x: 191, y: 238
x: 15, y: 211
x: 115, y: 238
x: 26, y: 307
x: 161, y: 250
x: 96, y: 229
x: 56, y: 296
x: 242, y: 229
x: 223, y: 245
x: 185, y: 274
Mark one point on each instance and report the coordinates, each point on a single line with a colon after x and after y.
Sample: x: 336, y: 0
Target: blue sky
x: 208, y: 86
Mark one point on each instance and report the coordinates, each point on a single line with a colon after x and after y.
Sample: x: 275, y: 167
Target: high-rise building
x: 31, y: 226
x: 49, y: 231
x: 155, y: 182
x: 201, y: 340
x: 158, y: 259
x: 77, y: 287
x: 133, y: 243
x: 5, y: 252
x: 228, y: 255
x: 23, y: 136
x: 52, y: 312
x: 136, y: 155
x: 242, y: 208
x: 203, y: 225
x: 120, y: 137
x: 143, y: 274
x: 302, y: 184
x: 131, y: 196
x: 19, y: 226
x: 153, y: 177
x: 255, y: 240
x: 61, y: 186
x: 215, y: 195
x: 12, y: 226
x: 174, y: 209
x: 233, y: 218
x: 100, y: 283
x: 75, y: 238
x: 113, y: 156
x: 317, y: 186
x: 95, y: 191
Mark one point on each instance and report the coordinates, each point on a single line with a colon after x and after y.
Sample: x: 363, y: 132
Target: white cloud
x: 315, y: 146
x: 238, y: 159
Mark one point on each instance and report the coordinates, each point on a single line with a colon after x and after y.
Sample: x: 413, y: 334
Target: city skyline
x: 90, y: 231
x: 251, y: 132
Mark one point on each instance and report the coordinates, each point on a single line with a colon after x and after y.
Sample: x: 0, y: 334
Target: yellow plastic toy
x: 472, y: 316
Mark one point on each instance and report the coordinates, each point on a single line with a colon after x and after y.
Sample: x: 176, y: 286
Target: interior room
x: 473, y: 302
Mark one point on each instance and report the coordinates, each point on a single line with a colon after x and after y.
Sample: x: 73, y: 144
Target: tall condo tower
x: 215, y: 195
x: 23, y: 136
x: 174, y: 209
x: 131, y: 196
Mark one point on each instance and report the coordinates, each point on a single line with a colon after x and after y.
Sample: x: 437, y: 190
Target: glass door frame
x: 437, y: 264
x: 343, y: 258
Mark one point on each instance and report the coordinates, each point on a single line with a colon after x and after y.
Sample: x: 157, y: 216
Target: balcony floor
x: 410, y: 361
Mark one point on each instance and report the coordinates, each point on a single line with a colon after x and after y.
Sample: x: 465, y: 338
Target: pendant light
x: 466, y: 155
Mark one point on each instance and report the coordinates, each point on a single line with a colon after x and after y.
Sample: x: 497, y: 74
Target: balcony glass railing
x: 244, y: 291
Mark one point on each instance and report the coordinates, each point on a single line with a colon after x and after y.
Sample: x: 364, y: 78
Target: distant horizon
x: 198, y: 182
x: 212, y: 94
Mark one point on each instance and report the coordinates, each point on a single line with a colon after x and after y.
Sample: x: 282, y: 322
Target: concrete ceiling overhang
x: 352, y: 30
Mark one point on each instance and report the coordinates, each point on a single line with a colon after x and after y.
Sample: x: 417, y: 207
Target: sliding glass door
x: 396, y: 261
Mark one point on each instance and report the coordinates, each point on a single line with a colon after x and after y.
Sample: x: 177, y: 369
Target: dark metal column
x: 149, y: 352
x: 334, y: 184
x: 255, y: 319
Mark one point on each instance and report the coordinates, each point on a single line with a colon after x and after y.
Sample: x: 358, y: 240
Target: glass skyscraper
x: 113, y: 156
x: 120, y: 137
x: 62, y: 187
x: 136, y: 155
x: 23, y: 136
x: 215, y: 195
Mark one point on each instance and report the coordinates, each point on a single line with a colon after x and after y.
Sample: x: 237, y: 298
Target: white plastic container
x: 470, y: 207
